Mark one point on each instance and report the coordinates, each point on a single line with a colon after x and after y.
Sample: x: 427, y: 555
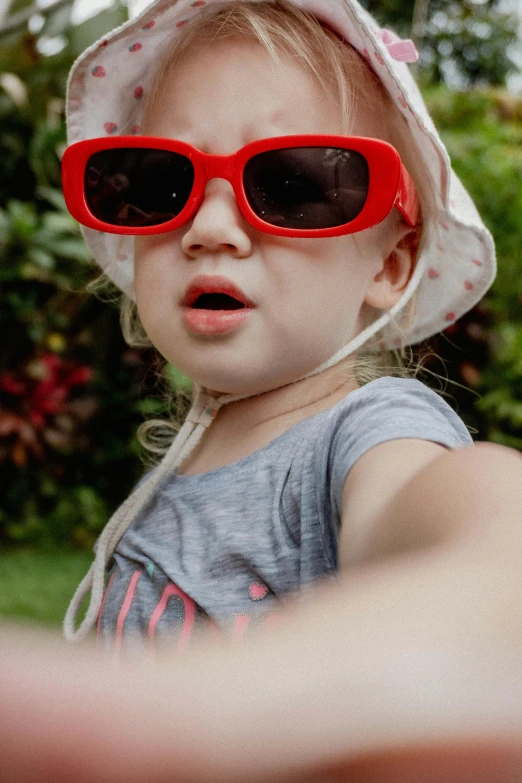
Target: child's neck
x: 245, y: 426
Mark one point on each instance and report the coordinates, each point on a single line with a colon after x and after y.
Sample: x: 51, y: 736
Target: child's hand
x: 293, y: 707
x: 487, y: 762
x: 405, y: 670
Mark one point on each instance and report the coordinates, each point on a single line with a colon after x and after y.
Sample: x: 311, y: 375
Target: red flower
x: 33, y: 394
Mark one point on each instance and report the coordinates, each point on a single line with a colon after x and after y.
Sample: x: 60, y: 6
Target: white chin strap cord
x: 200, y: 416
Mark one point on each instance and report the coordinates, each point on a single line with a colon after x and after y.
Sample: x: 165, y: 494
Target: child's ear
x: 389, y: 283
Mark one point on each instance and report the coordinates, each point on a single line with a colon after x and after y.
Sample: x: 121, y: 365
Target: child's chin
x: 243, y: 384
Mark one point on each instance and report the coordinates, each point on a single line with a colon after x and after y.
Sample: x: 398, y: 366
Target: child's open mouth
x: 214, y: 305
x: 217, y: 302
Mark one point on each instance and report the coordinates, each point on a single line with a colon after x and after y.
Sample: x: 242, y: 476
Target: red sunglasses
x: 296, y: 186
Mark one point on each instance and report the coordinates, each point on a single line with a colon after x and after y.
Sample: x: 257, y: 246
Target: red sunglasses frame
x: 390, y: 184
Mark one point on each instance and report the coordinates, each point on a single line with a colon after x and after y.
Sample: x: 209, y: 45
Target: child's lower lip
x: 214, y: 321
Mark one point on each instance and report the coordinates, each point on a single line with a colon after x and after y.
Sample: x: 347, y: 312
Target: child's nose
x: 218, y: 224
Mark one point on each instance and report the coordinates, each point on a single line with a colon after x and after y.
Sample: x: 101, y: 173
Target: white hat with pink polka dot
x: 105, y: 96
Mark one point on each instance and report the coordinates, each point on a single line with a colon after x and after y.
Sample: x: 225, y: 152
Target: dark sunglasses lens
x: 307, y: 187
x: 134, y: 187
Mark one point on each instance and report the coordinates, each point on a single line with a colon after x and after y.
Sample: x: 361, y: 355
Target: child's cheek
x: 147, y: 246
x: 143, y: 250
x: 156, y: 264
x: 157, y: 286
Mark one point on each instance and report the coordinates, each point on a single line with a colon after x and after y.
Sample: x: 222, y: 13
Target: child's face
x: 307, y: 293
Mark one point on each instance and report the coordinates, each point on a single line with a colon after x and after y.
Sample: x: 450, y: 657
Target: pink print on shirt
x: 124, y: 611
x: 188, y: 621
x: 169, y: 614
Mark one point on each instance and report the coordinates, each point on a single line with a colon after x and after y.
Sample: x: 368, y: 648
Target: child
x: 260, y: 297
x: 263, y: 179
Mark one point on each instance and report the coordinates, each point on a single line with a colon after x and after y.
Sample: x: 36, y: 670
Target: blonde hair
x: 289, y: 32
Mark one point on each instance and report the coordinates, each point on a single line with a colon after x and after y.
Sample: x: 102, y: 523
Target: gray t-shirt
x: 221, y: 549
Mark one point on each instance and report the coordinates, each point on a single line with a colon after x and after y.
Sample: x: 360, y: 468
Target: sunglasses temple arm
x: 406, y: 200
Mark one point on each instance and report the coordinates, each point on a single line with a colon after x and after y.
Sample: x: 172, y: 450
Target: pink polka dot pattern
x: 138, y: 93
x: 433, y: 274
x: 110, y: 127
x: 98, y: 71
x: 450, y: 316
x: 149, y: 25
x: 135, y: 47
x: 468, y: 285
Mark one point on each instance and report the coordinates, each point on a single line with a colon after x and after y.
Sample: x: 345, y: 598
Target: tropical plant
x: 71, y: 392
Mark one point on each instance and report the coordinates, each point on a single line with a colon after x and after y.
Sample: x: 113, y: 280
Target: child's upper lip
x: 213, y: 284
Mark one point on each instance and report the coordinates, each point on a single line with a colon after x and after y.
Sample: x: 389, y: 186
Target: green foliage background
x: 72, y: 393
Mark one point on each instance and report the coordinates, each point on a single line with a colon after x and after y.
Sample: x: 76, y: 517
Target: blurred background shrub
x: 72, y: 393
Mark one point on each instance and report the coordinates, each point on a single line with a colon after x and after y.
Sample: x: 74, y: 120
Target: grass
x: 36, y: 586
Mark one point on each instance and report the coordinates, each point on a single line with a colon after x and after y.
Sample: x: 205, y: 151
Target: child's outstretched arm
x: 417, y: 650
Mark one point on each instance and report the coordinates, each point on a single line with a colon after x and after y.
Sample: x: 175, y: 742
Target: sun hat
x: 105, y: 95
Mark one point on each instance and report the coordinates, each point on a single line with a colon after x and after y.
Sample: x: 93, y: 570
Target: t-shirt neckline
x: 289, y: 433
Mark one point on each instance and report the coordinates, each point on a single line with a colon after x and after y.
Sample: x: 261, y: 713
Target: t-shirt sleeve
x: 383, y: 410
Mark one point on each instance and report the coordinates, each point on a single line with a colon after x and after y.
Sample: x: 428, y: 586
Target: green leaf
x: 150, y: 407
x: 176, y: 379
x: 57, y: 21
x: 33, y: 271
x: 93, y: 510
x: 15, y: 6
x: 23, y: 218
x: 53, y: 196
x: 497, y: 436
x: 5, y: 228
x: 41, y: 258
x: 73, y: 249
x: 83, y: 35
x: 60, y: 223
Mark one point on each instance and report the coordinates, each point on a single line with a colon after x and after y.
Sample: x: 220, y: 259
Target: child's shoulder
x: 326, y: 445
x: 391, y: 407
x: 387, y: 409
